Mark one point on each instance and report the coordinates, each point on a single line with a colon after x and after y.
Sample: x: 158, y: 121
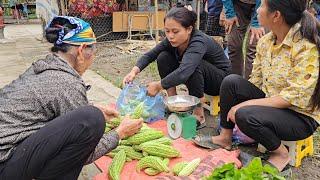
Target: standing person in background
x: 241, y: 14
x: 214, y: 9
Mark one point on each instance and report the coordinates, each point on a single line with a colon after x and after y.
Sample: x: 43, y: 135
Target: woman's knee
x: 92, y: 118
x: 165, y: 58
x: 245, y: 118
x: 230, y: 81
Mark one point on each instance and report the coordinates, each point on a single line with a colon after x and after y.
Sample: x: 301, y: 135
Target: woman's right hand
x: 130, y: 77
x: 129, y: 127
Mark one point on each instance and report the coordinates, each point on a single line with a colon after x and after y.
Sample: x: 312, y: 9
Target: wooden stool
x: 212, y: 104
x: 297, y: 150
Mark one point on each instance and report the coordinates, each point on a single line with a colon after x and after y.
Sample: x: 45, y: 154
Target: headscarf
x: 81, y: 34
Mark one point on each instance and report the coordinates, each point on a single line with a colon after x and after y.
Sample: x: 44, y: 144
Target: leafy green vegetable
x: 254, y: 171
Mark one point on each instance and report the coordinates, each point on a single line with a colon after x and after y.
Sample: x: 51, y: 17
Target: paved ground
x: 22, y: 46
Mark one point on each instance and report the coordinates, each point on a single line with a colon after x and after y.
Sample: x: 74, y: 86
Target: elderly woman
x: 281, y: 100
x: 48, y: 130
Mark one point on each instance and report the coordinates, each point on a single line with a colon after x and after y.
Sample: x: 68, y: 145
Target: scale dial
x: 174, y: 126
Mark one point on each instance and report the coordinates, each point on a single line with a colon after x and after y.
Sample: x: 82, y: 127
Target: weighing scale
x: 181, y: 122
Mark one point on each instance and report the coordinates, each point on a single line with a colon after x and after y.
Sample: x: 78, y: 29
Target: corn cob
x: 178, y: 167
x: 153, y: 172
x: 190, y: 167
x: 137, y: 111
x: 117, y: 165
x: 145, y: 136
x: 160, y: 150
x: 153, y: 162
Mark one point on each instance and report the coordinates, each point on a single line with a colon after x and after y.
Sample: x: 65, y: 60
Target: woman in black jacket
x: 186, y: 56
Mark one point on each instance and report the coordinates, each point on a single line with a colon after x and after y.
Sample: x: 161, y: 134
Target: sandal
x: 206, y: 142
x: 201, y: 125
x: 286, y: 171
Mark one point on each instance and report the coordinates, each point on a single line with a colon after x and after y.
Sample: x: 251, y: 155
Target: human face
x: 176, y: 33
x: 263, y: 14
x: 89, y: 53
x: 86, y: 55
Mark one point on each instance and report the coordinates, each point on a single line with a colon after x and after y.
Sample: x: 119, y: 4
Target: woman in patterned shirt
x: 282, y: 98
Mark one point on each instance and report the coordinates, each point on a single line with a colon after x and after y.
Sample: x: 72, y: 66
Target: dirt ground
x: 114, y: 61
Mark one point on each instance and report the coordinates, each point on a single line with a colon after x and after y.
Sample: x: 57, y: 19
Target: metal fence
x: 99, y: 14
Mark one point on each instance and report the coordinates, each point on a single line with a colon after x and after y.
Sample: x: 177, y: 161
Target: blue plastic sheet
x: 132, y: 95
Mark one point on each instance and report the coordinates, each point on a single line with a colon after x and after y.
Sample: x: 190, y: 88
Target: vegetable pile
x: 254, y: 171
x: 150, y: 147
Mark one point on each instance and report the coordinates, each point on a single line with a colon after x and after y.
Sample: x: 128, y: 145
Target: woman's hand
x: 131, y: 75
x: 256, y: 33
x: 129, y: 127
x: 108, y: 112
x: 232, y: 112
x: 229, y: 23
x: 154, y: 88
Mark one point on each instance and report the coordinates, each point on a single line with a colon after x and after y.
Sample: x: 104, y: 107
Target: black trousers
x: 266, y: 125
x: 207, y: 78
x: 59, y: 149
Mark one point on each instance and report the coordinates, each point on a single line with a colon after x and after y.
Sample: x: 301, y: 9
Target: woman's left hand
x: 154, y: 88
x: 232, y: 112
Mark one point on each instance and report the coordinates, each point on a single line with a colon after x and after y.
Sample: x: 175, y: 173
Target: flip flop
x: 206, y: 142
x: 201, y: 125
x: 286, y: 171
x: 245, y: 158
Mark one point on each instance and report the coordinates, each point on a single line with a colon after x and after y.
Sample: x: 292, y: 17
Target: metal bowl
x: 181, y: 103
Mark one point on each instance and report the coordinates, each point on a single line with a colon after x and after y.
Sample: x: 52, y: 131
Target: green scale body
x: 185, y: 121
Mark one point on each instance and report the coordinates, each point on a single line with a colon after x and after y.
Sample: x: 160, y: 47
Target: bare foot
x: 279, y: 158
x: 223, y: 141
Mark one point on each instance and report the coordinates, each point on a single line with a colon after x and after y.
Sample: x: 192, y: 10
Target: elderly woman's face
x: 85, y: 57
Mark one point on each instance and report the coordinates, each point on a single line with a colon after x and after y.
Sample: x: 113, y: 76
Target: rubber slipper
x: 245, y: 158
x: 201, y: 125
x: 285, y: 170
x: 206, y: 142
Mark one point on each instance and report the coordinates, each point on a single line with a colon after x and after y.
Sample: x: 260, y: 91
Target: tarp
x: 209, y: 160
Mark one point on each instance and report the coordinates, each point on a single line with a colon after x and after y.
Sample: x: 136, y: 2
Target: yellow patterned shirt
x: 289, y: 70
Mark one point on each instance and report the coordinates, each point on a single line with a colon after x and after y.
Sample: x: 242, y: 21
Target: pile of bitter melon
x: 149, y: 146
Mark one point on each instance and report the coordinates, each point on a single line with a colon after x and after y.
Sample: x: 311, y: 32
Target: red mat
x: 209, y: 159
